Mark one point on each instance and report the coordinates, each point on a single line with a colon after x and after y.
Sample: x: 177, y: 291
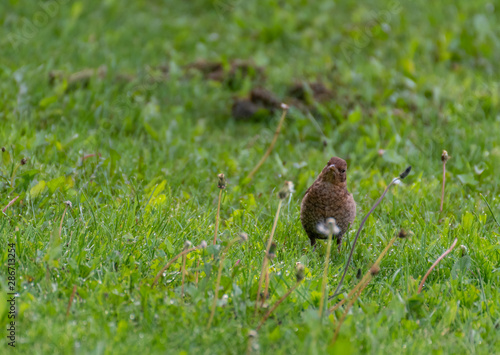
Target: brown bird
x: 328, y: 197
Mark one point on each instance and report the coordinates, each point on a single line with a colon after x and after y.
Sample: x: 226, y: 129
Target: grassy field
x: 125, y: 110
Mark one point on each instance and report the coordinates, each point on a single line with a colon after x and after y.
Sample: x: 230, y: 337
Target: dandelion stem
x: 271, y: 146
x: 435, y: 263
x: 264, y: 263
x: 444, y: 159
x: 325, y: 274
x: 171, y: 261
x: 217, y: 284
x: 217, y: 217
x: 442, y: 189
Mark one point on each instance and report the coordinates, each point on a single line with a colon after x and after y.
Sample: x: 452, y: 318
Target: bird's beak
x: 334, y: 168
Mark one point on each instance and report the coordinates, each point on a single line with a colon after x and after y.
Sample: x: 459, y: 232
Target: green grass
x: 421, y: 78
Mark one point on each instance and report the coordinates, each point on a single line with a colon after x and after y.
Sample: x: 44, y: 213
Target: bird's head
x: 335, y: 171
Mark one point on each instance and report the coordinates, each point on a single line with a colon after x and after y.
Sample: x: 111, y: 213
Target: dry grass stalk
x: 10, y: 203
x: 71, y: 300
x: 299, y: 275
x: 435, y: 264
x: 271, y: 146
x: 171, y: 261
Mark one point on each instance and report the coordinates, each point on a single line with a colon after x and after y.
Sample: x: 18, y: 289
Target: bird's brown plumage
x: 328, y: 197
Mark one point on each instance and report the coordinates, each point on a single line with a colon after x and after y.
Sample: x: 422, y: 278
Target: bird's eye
x: 342, y: 171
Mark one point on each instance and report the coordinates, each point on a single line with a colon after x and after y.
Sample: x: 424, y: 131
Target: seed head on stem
x: 222, y: 181
x: 272, y: 251
x: 243, y: 237
x: 286, y: 190
x: 300, y: 271
x: 374, y: 270
x: 402, y: 234
x: 253, y: 345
